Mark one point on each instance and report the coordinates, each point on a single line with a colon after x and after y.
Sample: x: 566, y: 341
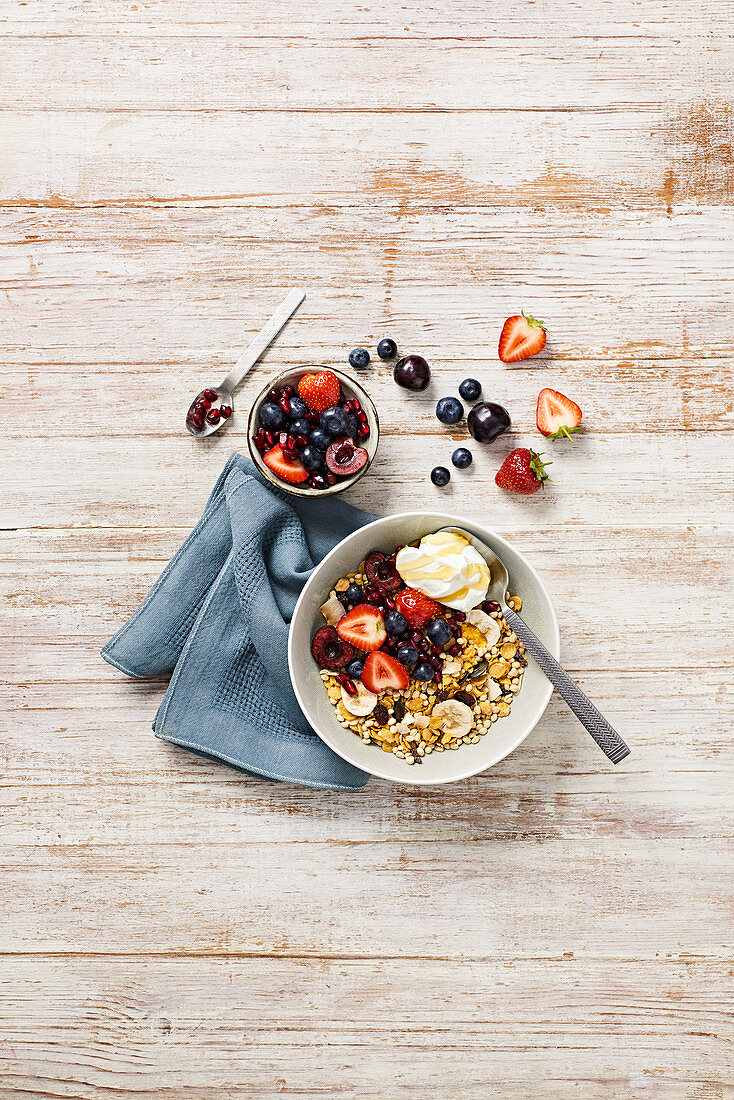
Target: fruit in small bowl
x: 313, y: 431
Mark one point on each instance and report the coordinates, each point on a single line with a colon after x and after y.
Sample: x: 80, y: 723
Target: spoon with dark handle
x: 605, y: 736
x: 246, y: 362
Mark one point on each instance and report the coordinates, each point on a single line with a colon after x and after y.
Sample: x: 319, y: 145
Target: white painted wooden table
x: 168, y: 169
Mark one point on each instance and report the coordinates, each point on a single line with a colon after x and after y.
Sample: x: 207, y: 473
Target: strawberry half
x: 363, y: 627
x: 522, y: 472
x: 382, y: 671
x: 416, y: 607
x: 520, y: 338
x: 319, y: 391
x: 287, y: 469
x: 556, y: 414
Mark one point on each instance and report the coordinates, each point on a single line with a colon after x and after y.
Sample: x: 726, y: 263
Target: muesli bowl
x: 506, y: 734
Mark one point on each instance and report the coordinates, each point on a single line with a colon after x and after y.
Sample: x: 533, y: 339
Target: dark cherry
x: 487, y: 421
x: 412, y: 372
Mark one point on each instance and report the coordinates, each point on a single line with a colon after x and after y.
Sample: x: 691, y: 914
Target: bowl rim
x: 414, y: 779
x: 298, y: 490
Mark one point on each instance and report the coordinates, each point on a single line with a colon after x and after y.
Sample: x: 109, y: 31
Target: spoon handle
x: 605, y: 736
x: 267, y: 334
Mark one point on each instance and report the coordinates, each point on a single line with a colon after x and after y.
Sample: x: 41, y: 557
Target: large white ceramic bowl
x: 440, y: 767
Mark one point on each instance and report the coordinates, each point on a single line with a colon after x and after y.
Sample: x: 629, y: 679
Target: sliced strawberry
x: 556, y: 414
x: 382, y: 671
x: 287, y: 469
x: 416, y: 607
x: 520, y: 338
x: 523, y: 471
x: 363, y: 627
x: 320, y: 391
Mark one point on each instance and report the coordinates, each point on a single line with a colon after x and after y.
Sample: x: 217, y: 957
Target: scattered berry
x: 416, y: 607
x: 520, y: 338
x: 354, y: 593
x: 407, y: 655
x: 363, y: 627
x: 387, y: 348
x: 449, y: 410
x: 354, y: 668
x: 271, y: 416
x: 396, y: 623
x: 359, y: 358
x: 287, y: 469
x: 440, y: 476
x: 556, y: 414
x: 487, y: 421
x: 382, y: 671
x: 329, y: 650
x: 470, y: 389
x: 522, y: 472
x: 319, y: 391
x: 438, y: 631
x: 462, y: 458
x: 412, y: 372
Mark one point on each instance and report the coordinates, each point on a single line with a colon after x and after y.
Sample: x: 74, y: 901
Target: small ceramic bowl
x: 445, y: 767
x: 350, y: 389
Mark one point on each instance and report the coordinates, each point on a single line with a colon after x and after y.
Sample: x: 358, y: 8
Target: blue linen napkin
x: 218, y: 619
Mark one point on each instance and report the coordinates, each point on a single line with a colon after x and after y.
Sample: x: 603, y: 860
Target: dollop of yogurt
x: 446, y: 567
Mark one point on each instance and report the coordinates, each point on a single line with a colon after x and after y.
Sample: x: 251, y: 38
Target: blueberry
x: 424, y: 671
x: 449, y: 410
x: 440, y: 476
x: 470, y: 389
x: 271, y: 416
x: 311, y: 457
x: 359, y: 358
x: 439, y: 632
x: 300, y: 427
x: 354, y: 593
x: 354, y: 668
x: 462, y: 458
x: 396, y: 623
x: 298, y: 408
x: 407, y: 655
x: 352, y: 426
x: 320, y: 439
x: 386, y: 349
x: 333, y: 420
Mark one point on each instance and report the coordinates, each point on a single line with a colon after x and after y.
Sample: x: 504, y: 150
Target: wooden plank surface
x: 174, y: 929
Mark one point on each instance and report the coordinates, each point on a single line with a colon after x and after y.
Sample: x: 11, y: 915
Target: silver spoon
x: 605, y: 736
x: 223, y: 392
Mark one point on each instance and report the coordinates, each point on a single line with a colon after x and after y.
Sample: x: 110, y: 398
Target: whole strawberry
x: 522, y: 472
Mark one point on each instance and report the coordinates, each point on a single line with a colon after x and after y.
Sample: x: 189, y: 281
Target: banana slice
x: 361, y: 704
x: 456, y: 718
x: 486, y: 624
x: 493, y: 689
x: 333, y: 610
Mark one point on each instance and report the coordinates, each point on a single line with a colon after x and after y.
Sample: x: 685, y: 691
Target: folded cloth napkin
x: 218, y: 618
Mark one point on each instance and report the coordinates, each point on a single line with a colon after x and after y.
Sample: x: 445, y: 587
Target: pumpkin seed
x: 474, y: 673
x: 398, y: 710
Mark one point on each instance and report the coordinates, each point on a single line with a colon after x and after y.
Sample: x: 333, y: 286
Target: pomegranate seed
x: 435, y: 650
x: 416, y: 638
x: 226, y: 411
x: 211, y: 395
x: 261, y: 446
x: 270, y: 439
x: 460, y: 617
x: 331, y: 478
x: 312, y: 417
x: 345, y: 407
x: 274, y: 395
x: 350, y: 687
x: 285, y: 404
x: 289, y: 391
x: 438, y: 677
x: 213, y: 416
x: 342, y: 678
x: 260, y: 434
x: 435, y: 662
x: 301, y: 440
x: 455, y: 650
x: 196, y: 421
x: 389, y: 604
x: 319, y: 482
x: 203, y: 403
x: 354, y: 405
x: 423, y: 647
x: 363, y: 431
x: 362, y: 416
x: 290, y: 442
